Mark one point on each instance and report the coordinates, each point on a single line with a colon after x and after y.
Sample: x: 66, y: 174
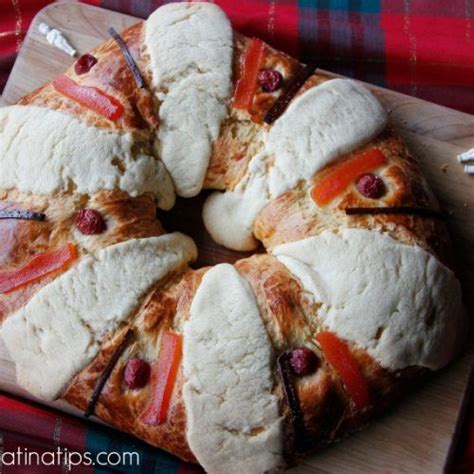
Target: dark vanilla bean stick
x: 280, y: 105
x: 104, y: 376
x: 21, y: 214
x: 296, y: 416
x: 128, y: 57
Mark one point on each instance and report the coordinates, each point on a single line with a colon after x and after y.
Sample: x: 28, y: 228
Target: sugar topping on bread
x: 396, y: 301
x: 59, y: 331
x: 318, y: 127
x: 47, y: 151
x: 191, y: 48
x: 233, y: 414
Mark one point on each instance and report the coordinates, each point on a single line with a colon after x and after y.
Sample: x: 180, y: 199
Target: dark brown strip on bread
x: 285, y: 98
x: 296, y: 415
x: 21, y: 214
x: 106, y: 373
x: 128, y: 57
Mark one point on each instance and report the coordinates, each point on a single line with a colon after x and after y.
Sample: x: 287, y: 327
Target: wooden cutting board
x: 416, y: 435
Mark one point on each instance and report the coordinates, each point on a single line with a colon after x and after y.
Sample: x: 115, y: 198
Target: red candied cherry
x: 303, y: 361
x: 90, y: 221
x: 371, y: 186
x: 136, y: 373
x: 270, y: 80
x: 84, y: 63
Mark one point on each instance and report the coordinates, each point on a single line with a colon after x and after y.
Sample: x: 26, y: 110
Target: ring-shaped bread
x: 244, y: 367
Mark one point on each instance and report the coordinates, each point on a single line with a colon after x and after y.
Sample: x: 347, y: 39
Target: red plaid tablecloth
x: 420, y: 47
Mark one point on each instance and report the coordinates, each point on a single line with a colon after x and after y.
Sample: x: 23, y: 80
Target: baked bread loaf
x: 243, y: 367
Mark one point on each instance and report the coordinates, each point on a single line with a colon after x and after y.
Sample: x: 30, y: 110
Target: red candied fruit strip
x: 90, y: 97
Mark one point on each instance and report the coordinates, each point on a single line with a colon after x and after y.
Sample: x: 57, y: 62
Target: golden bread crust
x: 165, y: 308
x: 112, y: 75
x: 294, y: 215
x: 126, y: 218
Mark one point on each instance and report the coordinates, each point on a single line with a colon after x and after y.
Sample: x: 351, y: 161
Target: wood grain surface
x: 416, y: 435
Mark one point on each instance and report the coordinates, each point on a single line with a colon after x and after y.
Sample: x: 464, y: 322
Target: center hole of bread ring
x: 186, y: 217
